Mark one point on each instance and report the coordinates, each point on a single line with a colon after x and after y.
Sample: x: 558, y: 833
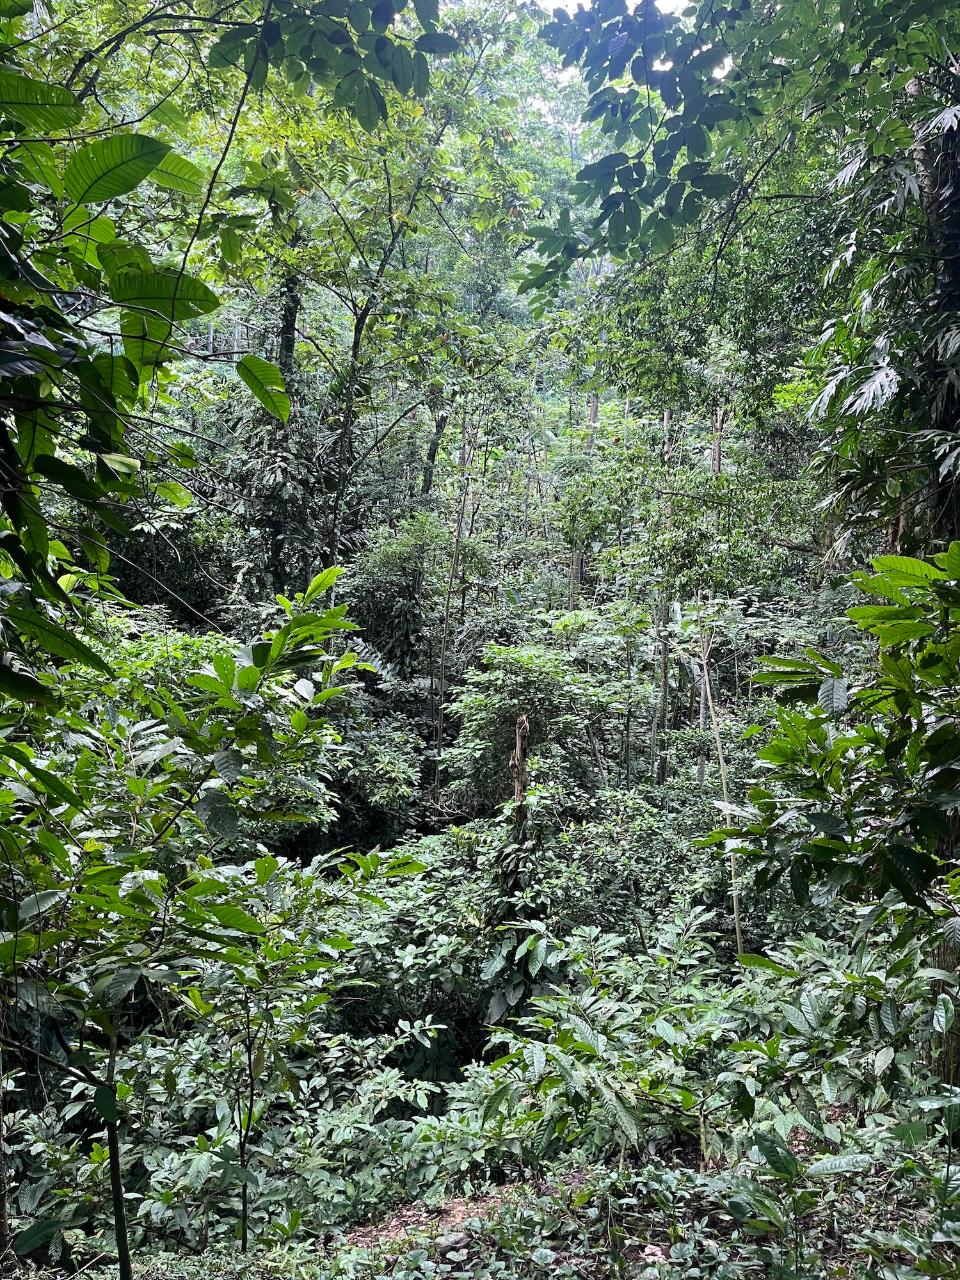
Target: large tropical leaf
x: 170, y: 294
x: 112, y: 166
x: 54, y: 638
x: 266, y: 382
x: 38, y: 103
x: 179, y: 174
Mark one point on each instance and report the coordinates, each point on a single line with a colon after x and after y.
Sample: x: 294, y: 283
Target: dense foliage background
x: 480, y: 676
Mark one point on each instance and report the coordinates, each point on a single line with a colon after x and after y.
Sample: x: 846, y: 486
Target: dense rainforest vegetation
x: 480, y: 626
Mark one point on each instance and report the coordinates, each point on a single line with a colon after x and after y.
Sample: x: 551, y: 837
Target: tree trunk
x: 124, y: 1265
x: 433, y: 448
x: 938, y: 170
x: 6, y: 1251
x: 518, y: 769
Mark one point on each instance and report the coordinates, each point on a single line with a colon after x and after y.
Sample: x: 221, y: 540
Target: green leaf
x: 907, y: 567
x: 780, y: 1158
x: 170, y: 294
x: 437, y: 43
x: 401, y: 69
x: 321, y: 583
x: 358, y: 16
x: 54, y: 638
x: 714, y: 185
x: 179, y: 174
x: 24, y: 687
x: 829, y: 1166
x: 38, y: 103
x: 230, y: 246
x: 266, y: 382
x: 215, y: 809
x: 943, y: 1013
x: 37, y: 1234
x: 265, y: 868
x: 49, y: 781
x: 832, y: 695
x: 368, y: 105
x: 233, y: 917
x: 602, y: 171
x: 622, y: 1117
x: 427, y: 11
x: 882, y: 1060
x: 68, y: 476
x: 35, y: 904
x: 105, y: 1100
x: 421, y: 75
x: 112, y: 166
x: 38, y: 160
x: 764, y: 962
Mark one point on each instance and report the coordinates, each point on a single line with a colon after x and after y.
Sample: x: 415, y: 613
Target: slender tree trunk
x: 938, y: 170
x: 724, y: 790
x: 702, y: 723
x: 628, y: 716
x: 664, y: 707
x: 287, y: 336
x: 124, y: 1264
x: 465, y: 460
x: 518, y: 770
x: 6, y: 1251
x: 433, y: 448
x: 716, y: 453
x: 667, y: 447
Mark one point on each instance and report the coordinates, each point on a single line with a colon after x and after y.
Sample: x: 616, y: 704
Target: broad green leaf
x: 35, y: 904
x: 322, y: 582
x: 715, y: 185
x: 49, y: 781
x: 883, y: 1060
x: 170, y: 294
x: 120, y: 255
x: 367, y: 103
x: 37, y: 1234
x: 54, y: 639
x: 24, y: 687
x: 421, y: 75
x: 230, y: 246
x: 38, y: 103
x: 266, y: 382
x: 437, y: 43
x: 112, y: 166
x: 833, y: 696
x: 780, y: 1158
x: 265, y: 868
x: 764, y: 962
x: 358, y: 16
x: 943, y: 1013
x: 39, y: 162
x: 105, y: 1101
x: 907, y: 567
x: 233, y: 917
x: 401, y: 69
x: 830, y: 1166
x: 216, y: 810
x: 427, y: 11
x: 179, y: 174
x: 68, y: 476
